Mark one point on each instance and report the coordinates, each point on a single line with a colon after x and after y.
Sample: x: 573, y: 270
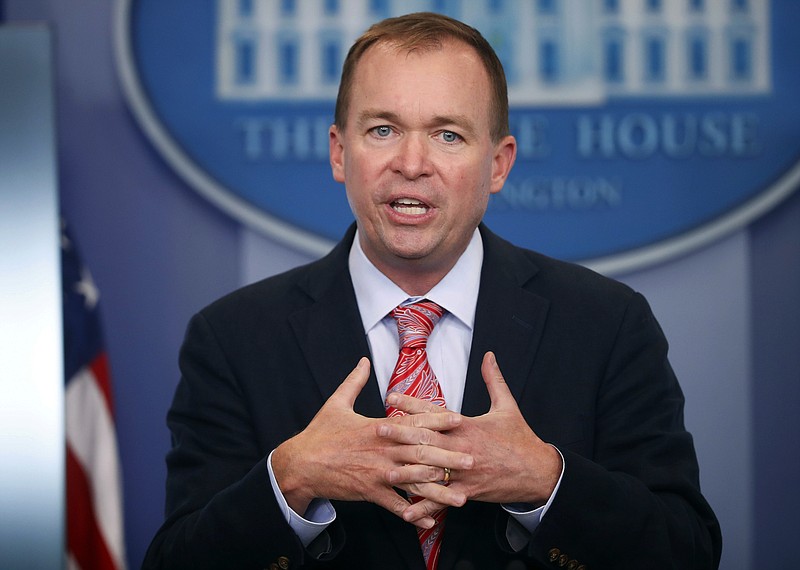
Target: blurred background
x: 159, y: 251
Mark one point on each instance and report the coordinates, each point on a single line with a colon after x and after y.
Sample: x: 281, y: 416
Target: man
x: 562, y: 441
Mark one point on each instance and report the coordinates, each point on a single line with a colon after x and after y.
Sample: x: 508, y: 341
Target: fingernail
x: 467, y: 462
x: 391, y: 399
x: 383, y: 430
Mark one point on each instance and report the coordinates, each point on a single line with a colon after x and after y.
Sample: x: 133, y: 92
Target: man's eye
x: 450, y: 136
x: 382, y: 131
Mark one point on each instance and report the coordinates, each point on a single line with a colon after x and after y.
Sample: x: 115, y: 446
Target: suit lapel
x: 332, y: 338
x: 509, y: 321
x: 329, y: 330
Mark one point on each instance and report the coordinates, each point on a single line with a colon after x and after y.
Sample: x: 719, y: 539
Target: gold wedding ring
x: 446, y: 475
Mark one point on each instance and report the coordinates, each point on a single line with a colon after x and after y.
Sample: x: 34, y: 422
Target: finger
x: 408, y: 435
x: 438, y: 496
x: 430, y: 455
x: 397, y: 505
x: 391, y: 501
x: 411, y: 405
x: 425, y: 521
x: 499, y: 393
x: 441, y: 421
x: 411, y: 474
x: 351, y: 386
x: 422, y: 510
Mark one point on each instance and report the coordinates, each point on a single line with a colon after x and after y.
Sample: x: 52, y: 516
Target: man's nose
x: 413, y: 156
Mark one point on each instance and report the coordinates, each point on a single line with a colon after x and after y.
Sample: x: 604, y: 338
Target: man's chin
x: 412, y: 252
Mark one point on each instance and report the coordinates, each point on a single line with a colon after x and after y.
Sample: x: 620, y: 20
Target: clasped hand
x: 342, y: 455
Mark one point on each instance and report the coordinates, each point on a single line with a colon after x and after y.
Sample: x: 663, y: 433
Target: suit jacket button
x: 573, y: 565
x: 283, y: 563
x: 562, y: 560
x: 553, y: 554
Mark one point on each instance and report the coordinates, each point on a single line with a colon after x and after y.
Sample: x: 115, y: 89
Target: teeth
x: 409, y: 206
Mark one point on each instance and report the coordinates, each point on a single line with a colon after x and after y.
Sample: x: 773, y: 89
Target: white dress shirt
x: 448, y: 353
x: 449, y: 343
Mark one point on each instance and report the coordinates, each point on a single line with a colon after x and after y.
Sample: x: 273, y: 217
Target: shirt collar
x: 457, y: 292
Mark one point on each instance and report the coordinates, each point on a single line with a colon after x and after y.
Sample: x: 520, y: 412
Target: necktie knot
x: 415, y: 322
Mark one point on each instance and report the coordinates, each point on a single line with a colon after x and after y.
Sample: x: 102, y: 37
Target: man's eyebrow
x: 373, y: 114
x: 462, y: 122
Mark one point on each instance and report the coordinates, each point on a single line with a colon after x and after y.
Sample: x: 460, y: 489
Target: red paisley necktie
x: 413, y: 376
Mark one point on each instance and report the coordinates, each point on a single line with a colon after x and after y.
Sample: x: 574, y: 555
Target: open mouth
x: 409, y: 206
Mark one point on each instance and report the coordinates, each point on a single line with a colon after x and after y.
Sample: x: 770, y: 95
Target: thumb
x: 499, y: 393
x: 351, y: 386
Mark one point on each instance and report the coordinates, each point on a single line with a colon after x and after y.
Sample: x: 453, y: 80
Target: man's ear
x: 505, y: 153
x: 336, y: 153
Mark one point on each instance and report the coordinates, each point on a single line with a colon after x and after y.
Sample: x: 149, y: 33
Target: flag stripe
x: 84, y: 539
x: 91, y: 438
x: 102, y: 377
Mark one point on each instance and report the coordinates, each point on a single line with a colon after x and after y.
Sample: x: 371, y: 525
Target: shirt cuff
x: 518, y: 535
x: 319, y: 514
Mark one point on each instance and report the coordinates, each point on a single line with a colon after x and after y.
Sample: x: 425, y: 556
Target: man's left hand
x: 511, y: 463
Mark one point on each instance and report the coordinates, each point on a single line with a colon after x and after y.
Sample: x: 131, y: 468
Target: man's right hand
x: 341, y: 456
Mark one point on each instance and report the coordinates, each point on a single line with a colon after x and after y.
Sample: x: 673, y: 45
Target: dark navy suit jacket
x: 582, y: 354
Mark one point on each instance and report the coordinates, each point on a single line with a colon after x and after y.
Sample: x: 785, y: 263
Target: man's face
x: 416, y: 156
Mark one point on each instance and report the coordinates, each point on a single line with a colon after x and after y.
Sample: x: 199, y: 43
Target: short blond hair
x: 427, y: 31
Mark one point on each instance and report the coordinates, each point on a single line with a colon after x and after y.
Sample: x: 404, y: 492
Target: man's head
x: 421, y: 32
x: 418, y: 147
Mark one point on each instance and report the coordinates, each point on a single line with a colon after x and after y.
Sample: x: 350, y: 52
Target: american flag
x: 95, y: 538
